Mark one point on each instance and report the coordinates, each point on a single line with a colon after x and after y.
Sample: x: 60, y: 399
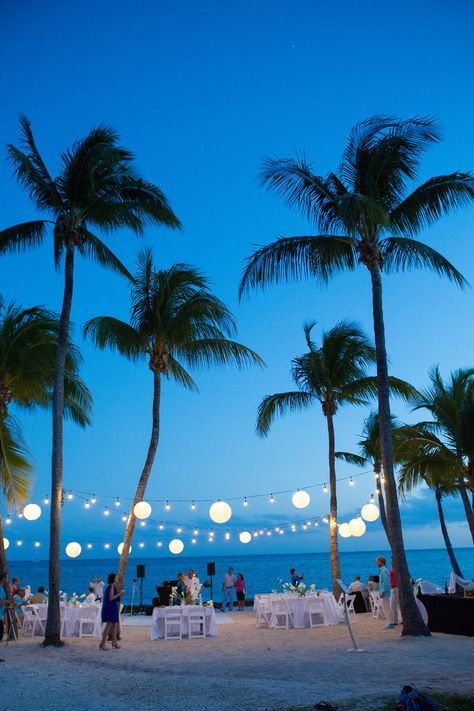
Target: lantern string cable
x: 89, y: 495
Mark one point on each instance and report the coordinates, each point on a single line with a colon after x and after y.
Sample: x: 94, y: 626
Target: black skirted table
x: 451, y: 614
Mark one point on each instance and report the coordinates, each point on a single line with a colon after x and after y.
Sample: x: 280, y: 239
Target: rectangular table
x: 298, y: 606
x: 158, y: 619
x: 73, y: 613
x: 450, y: 614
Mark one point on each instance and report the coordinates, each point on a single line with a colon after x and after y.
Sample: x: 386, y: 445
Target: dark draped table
x: 451, y: 614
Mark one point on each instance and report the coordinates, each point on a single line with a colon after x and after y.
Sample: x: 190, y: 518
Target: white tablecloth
x: 73, y: 614
x: 298, y: 606
x: 158, y: 619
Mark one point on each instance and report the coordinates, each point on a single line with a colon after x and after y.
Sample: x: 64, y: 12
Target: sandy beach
x: 242, y: 667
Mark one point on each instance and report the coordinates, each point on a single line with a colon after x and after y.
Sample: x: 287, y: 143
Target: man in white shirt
x: 228, y: 585
x: 357, y: 585
x: 98, y: 587
x: 90, y: 597
x: 193, y: 585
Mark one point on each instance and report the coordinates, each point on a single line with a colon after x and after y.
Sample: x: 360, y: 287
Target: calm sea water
x: 260, y: 571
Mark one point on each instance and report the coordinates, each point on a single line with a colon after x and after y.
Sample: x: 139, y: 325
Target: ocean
x: 260, y: 571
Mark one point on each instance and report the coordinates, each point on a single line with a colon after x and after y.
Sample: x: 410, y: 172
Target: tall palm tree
x: 370, y: 455
x: 333, y: 375
x: 175, y: 322
x: 97, y: 188
x: 363, y: 215
x: 28, y: 344
x: 450, y: 437
x: 424, y: 460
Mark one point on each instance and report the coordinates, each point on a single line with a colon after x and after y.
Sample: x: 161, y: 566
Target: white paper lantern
x: 220, y: 512
x: 120, y: 549
x: 32, y: 512
x: 245, y: 537
x: 370, y: 512
x: 344, y: 530
x: 6, y: 543
x: 73, y: 549
x: 176, y: 546
x: 301, y: 499
x: 357, y: 527
x: 142, y: 509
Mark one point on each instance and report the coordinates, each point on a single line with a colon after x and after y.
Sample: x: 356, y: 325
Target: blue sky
x: 201, y: 92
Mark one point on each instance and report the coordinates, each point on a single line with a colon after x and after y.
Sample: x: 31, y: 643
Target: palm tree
x: 97, y: 188
x: 28, y: 344
x: 175, y: 322
x: 363, y: 215
x: 426, y: 461
x: 371, y: 455
x: 450, y: 437
x: 333, y: 375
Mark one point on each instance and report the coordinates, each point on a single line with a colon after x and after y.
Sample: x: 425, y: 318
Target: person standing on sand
x: 385, y: 590
x: 110, y: 612
x: 393, y: 595
x: 228, y: 585
x: 241, y: 590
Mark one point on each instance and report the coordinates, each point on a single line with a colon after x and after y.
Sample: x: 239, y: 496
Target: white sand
x: 241, y: 669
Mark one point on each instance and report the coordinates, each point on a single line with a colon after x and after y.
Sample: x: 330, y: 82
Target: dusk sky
x: 201, y: 92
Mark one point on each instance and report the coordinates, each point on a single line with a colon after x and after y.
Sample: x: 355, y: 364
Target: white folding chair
x: 282, y: 617
x: 63, y: 611
x: 376, y: 605
x: 173, y: 623
x: 317, y: 617
x: 196, y: 624
x: 86, y: 621
x: 264, y: 611
x: 29, y: 619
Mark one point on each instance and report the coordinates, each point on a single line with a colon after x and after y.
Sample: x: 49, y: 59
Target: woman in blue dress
x: 110, y: 612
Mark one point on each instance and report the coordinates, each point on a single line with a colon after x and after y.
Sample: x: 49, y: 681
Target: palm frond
x: 174, y: 370
x: 22, y: 237
x: 298, y: 258
x: 106, y: 331
x: 103, y: 255
x: 278, y: 405
x: 436, y: 197
x: 77, y: 399
x: 402, y: 253
x: 353, y: 459
x: 206, y: 352
x: 15, y: 462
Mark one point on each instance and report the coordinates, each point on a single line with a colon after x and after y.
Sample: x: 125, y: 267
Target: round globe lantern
x: 220, y: 512
x: 31, y: 512
x: 120, y: 548
x: 142, y: 509
x: 73, y: 549
x: 176, y: 546
x: 370, y: 512
x: 245, y: 537
x: 344, y: 530
x: 301, y: 499
x: 6, y: 543
x: 357, y: 527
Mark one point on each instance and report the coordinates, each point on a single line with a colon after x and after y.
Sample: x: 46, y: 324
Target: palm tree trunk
x: 467, y: 505
x: 444, y: 531
x: 333, y: 542
x: 412, y: 621
x: 383, y: 513
x: 143, y: 481
x: 53, y: 622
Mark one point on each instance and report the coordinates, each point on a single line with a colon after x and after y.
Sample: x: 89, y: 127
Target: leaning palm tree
x: 333, y: 375
x: 363, y: 215
x: 424, y: 460
x: 28, y: 344
x: 370, y: 455
x: 96, y: 189
x: 451, y: 435
x: 175, y: 322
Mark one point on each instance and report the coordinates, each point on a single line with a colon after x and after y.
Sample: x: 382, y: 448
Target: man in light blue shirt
x: 385, y: 590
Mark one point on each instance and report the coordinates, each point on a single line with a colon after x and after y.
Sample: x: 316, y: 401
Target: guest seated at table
x: 39, y: 598
x: 373, y: 583
x: 90, y: 597
x: 19, y: 602
x: 357, y: 585
x: 296, y: 579
x: 180, y: 591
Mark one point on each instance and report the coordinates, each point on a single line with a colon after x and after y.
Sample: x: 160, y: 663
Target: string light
x: 143, y: 524
x: 93, y: 500
x: 193, y: 540
x: 351, y: 482
x: 179, y: 529
x: 141, y: 544
x: 70, y: 496
x: 167, y: 506
x: 8, y: 520
x: 124, y: 518
x: 107, y: 545
x: 227, y: 535
x: 255, y: 534
x: 193, y: 506
x: 46, y: 500
x: 87, y: 504
x: 161, y: 527
x: 246, y: 503
x: 89, y: 546
x: 37, y: 544
x: 19, y: 543
x: 117, y: 502
x: 272, y: 499
x: 20, y: 514
x: 106, y: 511
x: 159, y: 544
x: 325, y: 489
x: 195, y: 532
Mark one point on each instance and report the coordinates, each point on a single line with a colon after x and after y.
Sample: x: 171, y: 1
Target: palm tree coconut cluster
x: 363, y: 214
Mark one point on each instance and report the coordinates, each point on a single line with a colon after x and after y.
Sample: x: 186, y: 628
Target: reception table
x: 298, y: 606
x: 73, y: 614
x: 158, y: 619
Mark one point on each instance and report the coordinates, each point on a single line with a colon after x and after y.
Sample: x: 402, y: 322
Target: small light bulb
x: 167, y: 506
x: 195, y: 532
x: 161, y: 527
x: 87, y: 505
x: 70, y: 496
x: 143, y: 524
x: 325, y: 489
x: 46, y: 500
x: 281, y: 531
x: 193, y: 506
x: 193, y: 540
x: 124, y: 518
x: 117, y: 503
x: 19, y: 543
x: 107, y: 545
x: 246, y: 503
x: 371, y: 498
x: 261, y: 531
x: 269, y: 533
x: 179, y: 529
x: 106, y: 511
x: 93, y: 500
x: 351, y: 482
x: 37, y: 544
x: 304, y: 527
x: 272, y: 499
x: 210, y: 540
x: 255, y: 534
x: 316, y: 523
x: 227, y: 535
x: 211, y: 532
x: 8, y: 520
x: 89, y: 546
x: 141, y: 544
x: 159, y: 544
x: 20, y: 514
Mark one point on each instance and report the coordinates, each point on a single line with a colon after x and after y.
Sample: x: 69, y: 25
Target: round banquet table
x: 298, y: 606
x: 158, y: 619
x: 73, y: 614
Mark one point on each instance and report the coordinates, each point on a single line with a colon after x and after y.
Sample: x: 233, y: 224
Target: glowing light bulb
x: 20, y: 514
x: 106, y: 511
x: 351, y: 482
x: 161, y: 527
x: 107, y: 545
x: 227, y: 535
x: 211, y: 532
x: 195, y: 532
x: 179, y: 529
x: 93, y: 500
x: 89, y: 546
x: 19, y: 543
x: 37, y: 544
x: 143, y: 524
x: 8, y: 520
x: 193, y: 506
x: 70, y: 496
x: 193, y: 540
x: 261, y: 531
x: 87, y: 505
x: 246, y: 503
x: 124, y: 518
x: 281, y: 531
x: 46, y: 500
x: 304, y: 527
x: 272, y: 499
x: 255, y: 534
x: 167, y: 506
x: 141, y: 544
x: 117, y: 502
x: 325, y: 489
x: 269, y: 533
x: 159, y: 544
